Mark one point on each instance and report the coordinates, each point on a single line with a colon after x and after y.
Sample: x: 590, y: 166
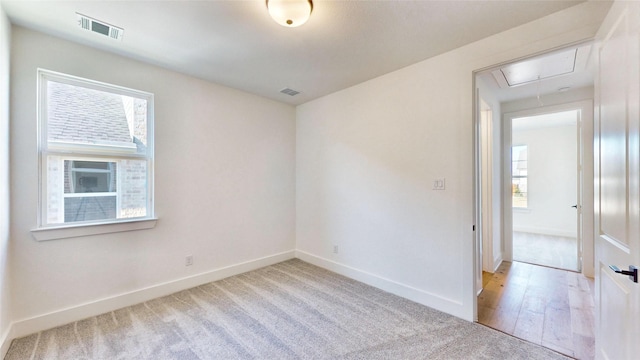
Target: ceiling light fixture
x: 290, y: 13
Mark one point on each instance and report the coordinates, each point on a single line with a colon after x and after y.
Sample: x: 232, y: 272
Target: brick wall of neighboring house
x: 140, y: 121
x: 67, y: 177
x: 133, y: 197
x: 54, y: 190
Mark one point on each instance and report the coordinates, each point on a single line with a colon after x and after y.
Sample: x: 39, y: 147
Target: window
x: 96, y: 152
x: 519, y: 176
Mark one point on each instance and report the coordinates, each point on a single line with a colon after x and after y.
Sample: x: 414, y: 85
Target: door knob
x: 632, y: 272
x: 575, y: 206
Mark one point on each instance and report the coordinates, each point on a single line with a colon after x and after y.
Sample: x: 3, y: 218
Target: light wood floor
x: 550, y: 307
x: 548, y: 250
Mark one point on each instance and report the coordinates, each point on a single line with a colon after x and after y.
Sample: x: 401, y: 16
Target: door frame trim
x: 470, y: 282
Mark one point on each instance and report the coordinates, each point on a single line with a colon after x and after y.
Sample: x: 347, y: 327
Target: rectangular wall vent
x: 100, y: 27
x: 290, y: 92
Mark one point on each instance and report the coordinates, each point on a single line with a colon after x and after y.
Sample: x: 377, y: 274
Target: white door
x: 617, y: 196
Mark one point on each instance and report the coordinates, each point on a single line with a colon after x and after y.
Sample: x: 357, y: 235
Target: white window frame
x: 520, y: 177
x: 45, y: 231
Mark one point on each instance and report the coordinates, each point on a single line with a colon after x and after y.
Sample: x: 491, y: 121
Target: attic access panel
x: 538, y: 68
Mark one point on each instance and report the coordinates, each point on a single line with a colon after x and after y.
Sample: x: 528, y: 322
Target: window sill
x: 70, y: 231
x: 521, y: 210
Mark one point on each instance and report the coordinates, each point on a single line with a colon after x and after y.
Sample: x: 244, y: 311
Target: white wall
x: 224, y: 189
x: 551, y: 181
x: 367, y: 156
x: 5, y: 287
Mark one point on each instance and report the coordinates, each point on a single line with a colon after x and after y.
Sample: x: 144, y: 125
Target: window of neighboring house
x: 519, y: 176
x: 96, y: 152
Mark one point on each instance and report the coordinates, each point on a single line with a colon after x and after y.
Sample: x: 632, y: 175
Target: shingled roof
x: 86, y: 116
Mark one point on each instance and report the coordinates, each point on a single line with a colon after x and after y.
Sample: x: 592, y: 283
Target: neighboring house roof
x: 81, y: 115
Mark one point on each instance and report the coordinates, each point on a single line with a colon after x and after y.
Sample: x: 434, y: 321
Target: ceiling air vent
x: 290, y: 92
x: 100, y: 27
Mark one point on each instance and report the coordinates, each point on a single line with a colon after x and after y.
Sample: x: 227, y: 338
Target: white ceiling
x: 235, y: 42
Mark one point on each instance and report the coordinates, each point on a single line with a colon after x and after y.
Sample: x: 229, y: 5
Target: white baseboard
x: 420, y: 296
x: 496, y: 262
x: 64, y: 316
x: 5, y: 341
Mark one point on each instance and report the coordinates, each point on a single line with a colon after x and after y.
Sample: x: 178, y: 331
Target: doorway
x: 512, y: 287
x: 545, y: 190
x: 527, y: 102
x: 543, y: 201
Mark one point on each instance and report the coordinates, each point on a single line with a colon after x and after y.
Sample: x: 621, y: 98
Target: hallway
x: 550, y: 307
x: 547, y: 250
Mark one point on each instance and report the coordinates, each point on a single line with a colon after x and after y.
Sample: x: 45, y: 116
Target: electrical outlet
x: 439, y: 184
x: 188, y: 261
x: 335, y: 249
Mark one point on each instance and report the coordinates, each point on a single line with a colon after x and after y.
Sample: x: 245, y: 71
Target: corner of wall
x: 420, y: 296
x: 5, y: 341
x: 496, y: 262
x: 5, y: 286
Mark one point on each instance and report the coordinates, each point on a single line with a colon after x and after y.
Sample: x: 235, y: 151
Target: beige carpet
x: 291, y: 310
